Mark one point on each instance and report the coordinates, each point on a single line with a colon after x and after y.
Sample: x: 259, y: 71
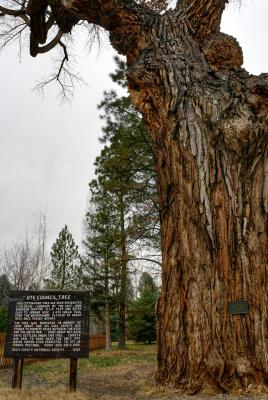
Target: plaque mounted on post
x: 52, y: 324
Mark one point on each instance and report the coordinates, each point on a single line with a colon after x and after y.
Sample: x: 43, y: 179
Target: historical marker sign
x: 48, y: 324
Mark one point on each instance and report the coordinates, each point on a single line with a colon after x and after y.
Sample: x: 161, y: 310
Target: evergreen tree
x: 100, y: 252
x: 142, y: 315
x: 67, y: 267
x: 147, y: 283
x: 5, y: 287
x: 3, y: 318
x: 127, y: 162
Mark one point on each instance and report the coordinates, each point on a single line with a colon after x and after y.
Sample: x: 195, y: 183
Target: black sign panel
x: 48, y: 324
x: 238, y: 307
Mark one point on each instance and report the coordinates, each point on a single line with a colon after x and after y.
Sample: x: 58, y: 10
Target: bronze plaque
x: 238, y: 307
x: 52, y: 324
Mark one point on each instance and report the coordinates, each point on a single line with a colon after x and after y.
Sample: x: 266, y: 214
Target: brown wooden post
x: 20, y: 372
x: 17, y: 373
x: 73, y: 375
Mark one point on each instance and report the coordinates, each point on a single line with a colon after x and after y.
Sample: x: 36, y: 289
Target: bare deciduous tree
x: 24, y: 262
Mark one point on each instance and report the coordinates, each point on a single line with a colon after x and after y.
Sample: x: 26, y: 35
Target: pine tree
x: 101, y: 272
x: 147, y: 283
x: 67, y: 267
x: 127, y: 162
x: 125, y: 188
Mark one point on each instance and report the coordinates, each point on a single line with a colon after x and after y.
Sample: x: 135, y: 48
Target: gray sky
x: 48, y: 149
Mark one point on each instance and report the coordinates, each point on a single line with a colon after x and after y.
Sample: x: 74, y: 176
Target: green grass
x: 133, y: 353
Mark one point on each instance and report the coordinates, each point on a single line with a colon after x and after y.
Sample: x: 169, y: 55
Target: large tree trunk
x: 208, y: 121
x: 214, y: 229
x: 209, y: 126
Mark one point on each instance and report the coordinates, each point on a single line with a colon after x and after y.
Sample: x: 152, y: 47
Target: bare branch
x: 63, y: 76
x: 15, y: 13
x: 21, y: 13
x: 11, y: 34
x: 145, y: 259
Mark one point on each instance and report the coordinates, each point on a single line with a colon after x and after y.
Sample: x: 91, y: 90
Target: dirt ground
x: 118, y: 376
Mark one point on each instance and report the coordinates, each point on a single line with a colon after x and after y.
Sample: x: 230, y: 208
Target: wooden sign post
x: 17, y: 373
x: 73, y: 375
x: 47, y: 324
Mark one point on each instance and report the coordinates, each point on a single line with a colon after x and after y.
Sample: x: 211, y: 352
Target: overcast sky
x: 47, y: 149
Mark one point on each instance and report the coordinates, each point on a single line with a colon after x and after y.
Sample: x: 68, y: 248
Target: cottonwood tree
x: 208, y: 121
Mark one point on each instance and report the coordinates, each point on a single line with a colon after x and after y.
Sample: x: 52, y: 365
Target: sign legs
x: 18, y: 369
x: 73, y: 375
x: 17, y: 373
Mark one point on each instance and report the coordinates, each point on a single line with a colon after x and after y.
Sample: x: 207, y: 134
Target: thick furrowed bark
x: 199, y: 344
x: 210, y: 134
